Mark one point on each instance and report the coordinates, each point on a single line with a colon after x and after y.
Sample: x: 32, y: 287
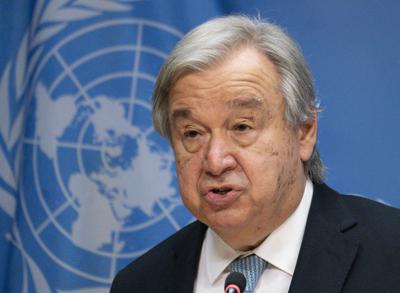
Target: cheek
x: 274, y: 164
x: 289, y: 165
x: 266, y: 156
x: 187, y: 170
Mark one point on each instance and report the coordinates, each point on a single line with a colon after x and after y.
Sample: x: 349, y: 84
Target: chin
x: 226, y: 220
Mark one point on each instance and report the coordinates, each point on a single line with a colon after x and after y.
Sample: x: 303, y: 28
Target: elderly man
x: 236, y: 100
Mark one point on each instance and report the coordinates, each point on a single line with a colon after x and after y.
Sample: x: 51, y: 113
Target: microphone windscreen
x: 236, y: 279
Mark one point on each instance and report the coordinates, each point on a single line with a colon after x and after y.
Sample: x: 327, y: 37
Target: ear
x: 307, y: 137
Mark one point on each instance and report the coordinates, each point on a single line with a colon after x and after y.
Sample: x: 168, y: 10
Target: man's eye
x: 190, y: 134
x: 242, y: 127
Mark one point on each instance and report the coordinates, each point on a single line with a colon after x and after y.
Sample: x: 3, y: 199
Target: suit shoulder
x: 361, y: 208
x: 374, y: 211
x: 372, y: 221
x: 380, y: 222
x: 158, y: 260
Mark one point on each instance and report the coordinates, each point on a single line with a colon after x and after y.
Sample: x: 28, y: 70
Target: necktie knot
x: 251, y: 266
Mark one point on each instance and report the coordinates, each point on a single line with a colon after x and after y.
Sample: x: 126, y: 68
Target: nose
x: 219, y: 157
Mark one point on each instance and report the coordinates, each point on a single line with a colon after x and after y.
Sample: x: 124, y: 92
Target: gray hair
x: 212, y: 41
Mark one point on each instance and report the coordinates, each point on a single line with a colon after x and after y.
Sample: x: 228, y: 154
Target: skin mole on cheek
x: 182, y: 162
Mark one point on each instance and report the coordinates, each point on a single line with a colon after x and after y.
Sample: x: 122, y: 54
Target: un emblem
x: 99, y: 185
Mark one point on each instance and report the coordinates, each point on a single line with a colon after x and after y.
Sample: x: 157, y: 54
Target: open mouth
x: 222, y: 196
x: 221, y: 191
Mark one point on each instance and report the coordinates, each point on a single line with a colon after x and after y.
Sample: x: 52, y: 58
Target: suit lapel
x: 186, y: 256
x: 327, y: 252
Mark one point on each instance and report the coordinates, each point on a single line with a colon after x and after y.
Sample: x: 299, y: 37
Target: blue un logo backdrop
x: 98, y: 185
x: 86, y: 184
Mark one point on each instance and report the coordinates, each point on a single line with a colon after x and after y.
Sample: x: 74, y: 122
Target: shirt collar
x: 280, y: 249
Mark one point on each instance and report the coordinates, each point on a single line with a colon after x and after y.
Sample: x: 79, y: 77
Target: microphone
x: 235, y: 283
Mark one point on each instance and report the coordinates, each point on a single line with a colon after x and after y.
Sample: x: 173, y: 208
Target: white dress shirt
x: 280, y: 250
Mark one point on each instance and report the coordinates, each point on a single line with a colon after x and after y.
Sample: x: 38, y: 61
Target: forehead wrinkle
x: 257, y: 89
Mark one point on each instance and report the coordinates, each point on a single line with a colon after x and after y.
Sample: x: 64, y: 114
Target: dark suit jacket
x: 350, y: 245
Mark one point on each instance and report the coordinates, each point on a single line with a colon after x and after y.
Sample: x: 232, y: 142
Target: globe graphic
x: 100, y: 178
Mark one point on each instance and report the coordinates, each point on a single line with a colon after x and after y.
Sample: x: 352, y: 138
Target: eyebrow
x: 181, y: 113
x: 253, y: 102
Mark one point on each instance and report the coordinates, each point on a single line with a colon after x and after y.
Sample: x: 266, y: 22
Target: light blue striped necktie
x: 251, y: 267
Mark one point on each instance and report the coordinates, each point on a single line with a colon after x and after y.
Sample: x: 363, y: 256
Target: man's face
x: 239, y: 164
